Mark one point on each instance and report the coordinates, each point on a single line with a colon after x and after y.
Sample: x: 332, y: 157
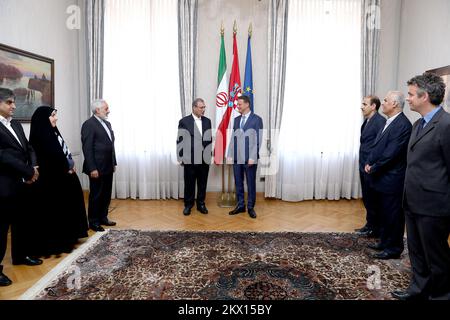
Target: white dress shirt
x: 198, y: 122
x: 104, y: 126
x: 389, y: 121
x: 7, y: 124
x: 244, y: 119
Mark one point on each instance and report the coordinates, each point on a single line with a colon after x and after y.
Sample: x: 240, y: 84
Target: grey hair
x: 196, y: 101
x: 398, y: 97
x: 96, y: 104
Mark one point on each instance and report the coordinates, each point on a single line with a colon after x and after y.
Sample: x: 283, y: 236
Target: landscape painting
x: 30, y: 77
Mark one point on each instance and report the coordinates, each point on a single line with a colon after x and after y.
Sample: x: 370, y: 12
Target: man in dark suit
x: 17, y: 168
x: 386, y: 166
x: 194, y: 150
x: 372, y: 125
x: 244, y: 154
x: 100, y: 163
x: 427, y: 192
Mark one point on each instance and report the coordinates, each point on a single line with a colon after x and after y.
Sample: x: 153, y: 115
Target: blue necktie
x: 242, y: 122
x: 420, y: 126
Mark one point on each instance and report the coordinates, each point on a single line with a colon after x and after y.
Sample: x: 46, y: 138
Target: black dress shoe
x: 363, y: 229
x: 29, y: 261
x: 252, y: 213
x: 108, y: 223
x: 96, y: 228
x: 187, y: 211
x: 406, y: 296
x: 375, y: 246
x: 370, y: 234
x: 386, y: 256
x: 4, y: 280
x: 202, y: 209
x: 237, y: 210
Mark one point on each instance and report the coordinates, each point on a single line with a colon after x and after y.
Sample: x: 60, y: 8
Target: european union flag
x: 248, y: 82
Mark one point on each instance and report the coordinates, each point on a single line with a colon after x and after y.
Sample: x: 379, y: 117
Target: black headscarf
x: 44, y: 139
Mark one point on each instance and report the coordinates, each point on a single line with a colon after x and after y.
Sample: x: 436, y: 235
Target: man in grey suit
x: 99, y: 164
x: 427, y: 192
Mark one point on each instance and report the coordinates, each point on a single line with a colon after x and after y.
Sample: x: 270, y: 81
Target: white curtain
x: 141, y: 84
x: 319, y: 137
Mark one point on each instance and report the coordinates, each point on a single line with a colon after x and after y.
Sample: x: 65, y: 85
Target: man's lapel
x: 247, y: 122
x: 193, y: 129
x: 11, y: 136
x: 101, y: 128
x: 427, y: 129
x: 381, y: 134
x: 21, y: 137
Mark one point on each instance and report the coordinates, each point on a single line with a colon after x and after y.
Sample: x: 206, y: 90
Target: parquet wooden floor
x: 273, y: 215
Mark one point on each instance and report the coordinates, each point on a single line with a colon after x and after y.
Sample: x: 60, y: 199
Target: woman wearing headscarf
x: 60, y: 200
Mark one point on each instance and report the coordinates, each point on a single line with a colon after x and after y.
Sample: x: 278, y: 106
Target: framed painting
x: 444, y: 73
x: 31, y: 77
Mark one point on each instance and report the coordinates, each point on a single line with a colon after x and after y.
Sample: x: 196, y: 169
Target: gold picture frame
x: 30, y: 76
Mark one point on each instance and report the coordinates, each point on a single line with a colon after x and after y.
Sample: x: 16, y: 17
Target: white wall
x: 389, y: 46
x: 210, y: 17
x: 39, y: 26
x: 424, y: 40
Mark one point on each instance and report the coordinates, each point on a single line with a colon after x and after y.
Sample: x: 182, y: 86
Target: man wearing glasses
x: 17, y: 168
x: 194, y: 147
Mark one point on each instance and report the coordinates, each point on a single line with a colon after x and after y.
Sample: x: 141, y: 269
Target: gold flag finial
x: 222, y: 30
x: 250, y: 30
x: 235, y: 27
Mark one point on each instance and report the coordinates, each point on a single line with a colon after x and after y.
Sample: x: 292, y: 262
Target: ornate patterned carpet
x: 147, y: 265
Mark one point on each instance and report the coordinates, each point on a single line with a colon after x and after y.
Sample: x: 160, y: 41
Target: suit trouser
x: 4, y: 227
x: 429, y: 254
x: 195, y: 174
x: 15, y: 213
x: 99, y: 198
x: 392, y: 220
x: 241, y: 170
x: 372, y: 217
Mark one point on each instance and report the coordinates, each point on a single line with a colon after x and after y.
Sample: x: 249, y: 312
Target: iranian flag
x: 229, y: 113
x: 221, y: 104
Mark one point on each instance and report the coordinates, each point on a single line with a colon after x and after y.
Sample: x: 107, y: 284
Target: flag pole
x: 228, y: 198
x: 225, y: 198
x: 231, y: 186
x: 222, y: 34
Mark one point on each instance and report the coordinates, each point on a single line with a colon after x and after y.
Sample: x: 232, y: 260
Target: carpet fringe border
x: 44, y: 282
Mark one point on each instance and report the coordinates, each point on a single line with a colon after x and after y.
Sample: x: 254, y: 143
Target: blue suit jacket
x: 245, y: 143
x: 369, y: 132
x: 388, y: 157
